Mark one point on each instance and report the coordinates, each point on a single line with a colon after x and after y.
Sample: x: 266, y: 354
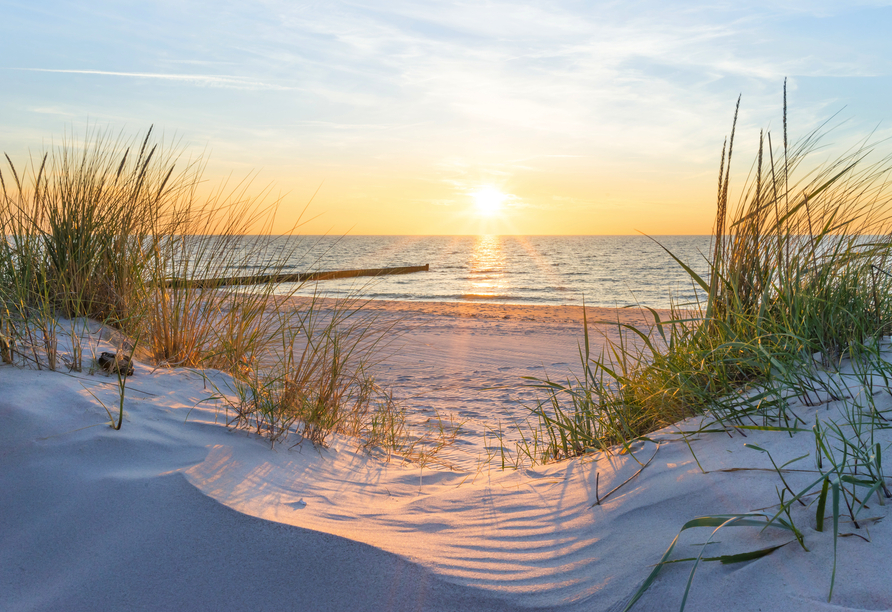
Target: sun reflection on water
x: 486, y: 273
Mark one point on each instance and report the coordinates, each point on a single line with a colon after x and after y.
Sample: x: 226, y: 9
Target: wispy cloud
x: 52, y: 110
x: 209, y: 80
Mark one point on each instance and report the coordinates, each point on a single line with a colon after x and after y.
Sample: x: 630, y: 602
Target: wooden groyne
x: 262, y: 279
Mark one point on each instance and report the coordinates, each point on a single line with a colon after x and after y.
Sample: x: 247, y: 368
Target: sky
x: 451, y: 117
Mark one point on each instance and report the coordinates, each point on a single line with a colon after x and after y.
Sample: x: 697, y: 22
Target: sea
x: 610, y: 271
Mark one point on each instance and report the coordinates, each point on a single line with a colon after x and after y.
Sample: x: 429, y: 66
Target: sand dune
x: 184, y: 514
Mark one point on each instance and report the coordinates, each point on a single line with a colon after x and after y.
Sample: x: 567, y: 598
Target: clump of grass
x: 108, y: 229
x: 207, y: 325
x: 318, y: 383
x: 796, y: 301
x: 798, y: 270
x: 99, y: 228
x: 81, y: 224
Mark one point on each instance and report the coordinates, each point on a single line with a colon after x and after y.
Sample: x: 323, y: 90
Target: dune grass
x: 95, y: 230
x: 794, y: 312
x: 798, y: 270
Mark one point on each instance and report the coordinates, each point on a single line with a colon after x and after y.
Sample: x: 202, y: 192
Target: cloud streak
x: 225, y: 81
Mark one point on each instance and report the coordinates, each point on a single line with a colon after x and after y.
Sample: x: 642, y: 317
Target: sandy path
x: 467, y: 361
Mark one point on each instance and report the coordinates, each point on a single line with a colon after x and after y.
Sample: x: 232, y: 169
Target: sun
x: 488, y: 201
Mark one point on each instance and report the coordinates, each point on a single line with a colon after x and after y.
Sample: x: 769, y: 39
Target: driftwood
x: 262, y: 279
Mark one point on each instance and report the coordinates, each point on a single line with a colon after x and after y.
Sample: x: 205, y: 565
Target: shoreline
x: 540, y: 313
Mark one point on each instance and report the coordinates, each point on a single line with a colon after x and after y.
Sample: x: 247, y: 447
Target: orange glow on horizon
x: 414, y: 202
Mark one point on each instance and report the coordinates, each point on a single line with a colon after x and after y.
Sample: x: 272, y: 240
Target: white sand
x: 179, y: 514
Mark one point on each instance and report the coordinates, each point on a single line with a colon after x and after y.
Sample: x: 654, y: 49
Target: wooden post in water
x: 262, y: 279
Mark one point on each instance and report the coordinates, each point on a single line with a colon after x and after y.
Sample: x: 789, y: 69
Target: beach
x: 468, y: 361
x: 441, y: 307
x: 175, y: 511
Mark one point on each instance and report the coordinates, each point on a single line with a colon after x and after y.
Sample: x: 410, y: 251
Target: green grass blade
x: 748, y: 556
x: 835, y: 485
x: 822, y: 504
x: 651, y: 577
x: 719, y: 520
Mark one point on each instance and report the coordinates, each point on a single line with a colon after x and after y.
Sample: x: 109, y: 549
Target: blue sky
x: 592, y: 117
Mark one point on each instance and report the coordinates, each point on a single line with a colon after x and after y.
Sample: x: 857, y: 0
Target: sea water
x: 611, y: 271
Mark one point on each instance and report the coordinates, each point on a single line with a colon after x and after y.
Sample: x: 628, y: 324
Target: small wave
x: 486, y: 296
